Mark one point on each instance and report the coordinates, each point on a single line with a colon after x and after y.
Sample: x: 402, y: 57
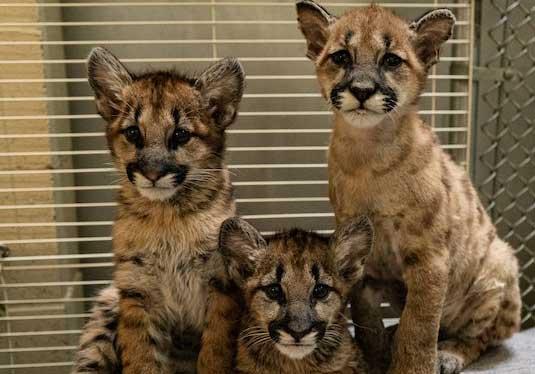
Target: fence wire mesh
x: 505, y: 143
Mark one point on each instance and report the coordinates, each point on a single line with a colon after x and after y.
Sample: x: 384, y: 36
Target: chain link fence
x: 504, y: 133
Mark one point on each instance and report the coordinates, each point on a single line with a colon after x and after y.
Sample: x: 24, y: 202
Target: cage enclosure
x: 57, y: 183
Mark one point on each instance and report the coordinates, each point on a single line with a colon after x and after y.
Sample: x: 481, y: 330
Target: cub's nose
x: 153, y: 175
x: 298, y: 333
x: 362, y: 93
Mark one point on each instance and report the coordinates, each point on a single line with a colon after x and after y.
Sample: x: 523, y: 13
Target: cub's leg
x: 220, y: 334
x: 425, y: 271
x: 491, y: 313
x: 140, y: 342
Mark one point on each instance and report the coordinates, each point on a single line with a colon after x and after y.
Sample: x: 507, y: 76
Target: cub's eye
x: 179, y: 137
x: 274, y: 292
x: 132, y: 134
x: 391, y: 60
x: 320, y: 291
x: 341, y: 58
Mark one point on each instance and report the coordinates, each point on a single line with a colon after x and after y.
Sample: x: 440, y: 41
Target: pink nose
x: 152, y: 175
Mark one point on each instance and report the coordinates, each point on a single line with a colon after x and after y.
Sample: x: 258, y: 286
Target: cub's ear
x: 107, y: 77
x: 314, y: 21
x: 351, y: 243
x: 221, y: 86
x: 242, y: 247
x: 432, y: 30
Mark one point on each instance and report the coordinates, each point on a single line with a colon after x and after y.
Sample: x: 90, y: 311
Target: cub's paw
x: 448, y: 363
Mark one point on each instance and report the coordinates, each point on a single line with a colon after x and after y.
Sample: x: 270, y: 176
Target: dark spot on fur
x: 90, y: 366
x: 349, y: 271
x: 508, y: 323
x: 136, y: 260
x: 204, y: 257
x: 397, y: 224
x: 414, y: 229
x: 411, y: 259
x: 152, y: 341
x: 348, y: 37
x: 112, y: 325
x: 387, y: 40
x: 102, y: 337
x: 432, y: 211
x: 129, y: 293
x: 217, y: 284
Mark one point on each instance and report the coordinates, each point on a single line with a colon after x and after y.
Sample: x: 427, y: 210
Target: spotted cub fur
x: 166, y: 133
x: 294, y: 288
x: 436, y: 255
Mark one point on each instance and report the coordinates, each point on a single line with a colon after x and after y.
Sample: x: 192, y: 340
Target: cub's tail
x: 97, y: 352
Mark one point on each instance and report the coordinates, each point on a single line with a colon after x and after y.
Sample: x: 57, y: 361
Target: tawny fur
x: 286, y: 325
x: 436, y: 254
x: 164, y: 237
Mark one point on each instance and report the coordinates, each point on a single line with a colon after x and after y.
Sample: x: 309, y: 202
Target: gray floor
x: 516, y: 356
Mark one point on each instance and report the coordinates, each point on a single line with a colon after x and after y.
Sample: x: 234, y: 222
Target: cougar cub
x: 166, y: 133
x: 436, y: 254
x: 295, y: 286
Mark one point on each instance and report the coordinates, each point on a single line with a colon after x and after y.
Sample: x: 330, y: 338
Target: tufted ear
x: 314, y: 21
x: 351, y: 243
x: 107, y: 77
x: 242, y: 247
x: 432, y: 30
x: 221, y: 86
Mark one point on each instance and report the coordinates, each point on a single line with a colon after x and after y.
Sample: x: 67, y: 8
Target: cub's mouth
x: 296, y: 345
x: 295, y: 351
x: 157, y: 193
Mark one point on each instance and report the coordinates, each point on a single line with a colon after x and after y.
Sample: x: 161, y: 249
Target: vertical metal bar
x: 477, y: 44
x: 501, y: 95
x: 469, y: 108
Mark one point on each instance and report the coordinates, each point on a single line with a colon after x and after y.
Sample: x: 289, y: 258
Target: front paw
x: 448, y: 363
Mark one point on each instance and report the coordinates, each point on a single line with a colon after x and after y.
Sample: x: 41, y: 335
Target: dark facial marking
x: 348, y: 37
x: 176, y: 116
x: 279, y: 272
x: 388, y: 41
x: 390, y: 100
x: 315, y: 271
x: 130, y: 168
x: 137, y: 114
